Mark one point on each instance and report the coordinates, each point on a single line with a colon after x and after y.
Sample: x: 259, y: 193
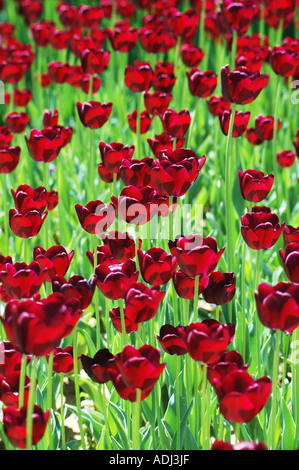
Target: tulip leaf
x: 289, y: 428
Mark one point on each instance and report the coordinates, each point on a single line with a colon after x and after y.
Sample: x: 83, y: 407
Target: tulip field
x: 149, y: 225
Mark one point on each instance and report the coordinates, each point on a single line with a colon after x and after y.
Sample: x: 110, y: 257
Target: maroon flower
x: 50, y: 118
x: 121, y: 246
x: 176, y: 124
x: 11, y: 358
x: 171, y: 341
x: 196, y: 255
x: 136, y: 205
x: 240, y: 122
x: 136, y: 172
x: 9, y: 389
x: 157, y: 102
x: 55, y: 260
x: 145, y: 121
x: 123, y: 39
x: 207, y: 341
x: 241, y: 397
x: 96, y: 216
x: 9, y: 158
x: 41, y: 32
x: 290, y: 260
x: 113, y: 280
x: 290, y: 234
x: 94, y: 114
x: 286, y: 158
x: 231, y: 360
x: 278, y: 306
x: 260, y: 228
x: 138, y: 77
x: 191, y: 55
x: 36, y: 326
x: 21, y: 98
x: 20, y: 280
x: 142, y: 302
x: 184, y: 24
x: 164, y: 78
x: 241, y: 86
x: 176, y: 171
x: 220, y: 289
x: 283, y: 62
x: 63, y: 360
x: 155, y: 39
x: 164, y: 143
x: 242, y: 445
x: 264, y: 127
x: 12, y: 71
x: 116, y: 319
x: 95, y: 62
x: 6, y: 136
x: 157, y: 267
x: 136, y: 369
x: 52, y: 199
x: 17, y: 122
x: 76, y: 287
x: 201, y: 84
x: 44, y: 145
x: 113, y: 154
x: 104, y: 256
x: 275, y: 12
x: 238, y: 16
x: 14, y: 422
x: 26, y: 224
x: 254, y: 185
x: 184, y: 285
x: 27, y: 198
x: 97, y: 367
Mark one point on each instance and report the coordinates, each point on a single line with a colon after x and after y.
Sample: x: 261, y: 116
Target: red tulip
x: 241, y: 86
x: 9, y: 389
x: 113, y: 154
x: 260, y: 228
x: 145, y: 121
x: 142, y: 302
x: 170, y: 340
x: 138, y: 77
x: 290, y: 234
x: 14, y: 422
x: 114, y: 280
x: 20, y: 280
x: 191, y: 55
x: 95, y: 62
x: 27, y: 198
x: 95, y: 217
x: 290, y: 260
x: 94, y: 114
x: 55, y: 260
x: 17, y: 122
x: 164, y: 143
x: 121, y: 246
x: 201, y: 84
x: 176, y: 124
x: 184, y: 285
x: 26, y: 224
x: 63, y: 360
x: 220, y: 289
x: 156, y: 266
x: 240, y: 122
x: 254, y: 185
x: 76, y: 287
x: 286, y: 158
x: 9, y: 158
x: 45, y: 145
x: 136, y: 172
x: 157, y: 102
x: 97, y: 366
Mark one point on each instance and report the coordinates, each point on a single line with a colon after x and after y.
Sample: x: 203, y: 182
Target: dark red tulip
x: 171, y: 341
x: 220, y: 289
x: 254, y: 185
x: 36, y: 326
x: 296, y: 143
x: 231, y: 360
x: 27, y: 198
x: 238, y: 16
x: 290, y: 260
x: 156, y: 266
x: 41, y: 32
x: 121, y: 246
x: 260, y: 228
x: 63, y: 360
x: 113, y: 280
x: 96, y: 216
x: 9, y: 389
x: 145, y: 121
x: 201, y: 84
x: 156, y: 39
x: 116, y: 319
x: 45, y: 145
x: 14, y: 423
x: 94, y: 114
x: 241, y: 397
x: 45, y: 80
x: 59, y: 72
x: 123, y: 39
x: 283, y: 62
x: 90, y: 16
x: 9, y: 158
x: 164, y: 142
x: 26, y: 224
x: 183, y: 24
x: 240, y: 122
x: 52, y: 199
x: 207, y: 341
x: 290, y: 234
x: 241, y: 86
x: 96, y: 367
x: 6, y: 136
x: 31, y: 10
x: 95, y: 62
x: 113, y: 154
x: 191, y: 55
x: 106, y: 175
x: 76, y: 287
x: 157, y: 102
x: 278, y: 306
x: 184, y: 285
x: 104, y: 256
x: 55, y: 260
x: 138, y: 77
x: 164, y: 78
x: 50, y: 118
x: 17, y: 122
x: 136, y: 369
x: 264, y: 127
x: 286, y: 158
x: 275, y: 12
x: 60, y: 39
x: 11, y: 358
x: 176, y: 171
x: 12, y: 71
x: 242, y: 445
x: 176, y: 124
x: 142, y: 302
x: 21, y: 98
x: 217, y: 104
x: 20, y: 280
x: 196, y: 255
x: 136, y: 172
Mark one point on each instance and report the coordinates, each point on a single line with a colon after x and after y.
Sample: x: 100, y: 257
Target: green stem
x: 136, y: 408
x: 195, y: 300
x: 77, y: 388
x: 204, y: 424
x: 30, y: 405
x: 170, y: 218
x: 257, y: 320
x: 96, y: 298
x: 243, y: 301
x: 295, y: 384
x: 49, y: 397
x: 92, y: 164
x: 6, y: 226
x: 177, y: 401
x: 63, y: 446
x: 274, y: 143
x: 46, y: 185
x: 22, y: 380
x: 234, y: 49
x: 122, y: 319
x: 272, y: 422
x: 228, y: 192
x: 138, y: 125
